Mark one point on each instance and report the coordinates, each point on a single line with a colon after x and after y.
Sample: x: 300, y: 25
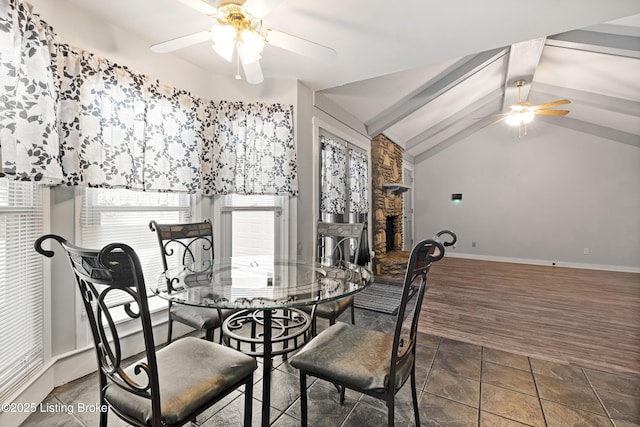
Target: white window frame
x: 356, y: 140
x: 156, y: 304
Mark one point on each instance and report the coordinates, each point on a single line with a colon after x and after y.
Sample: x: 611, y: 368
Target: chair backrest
x: 100, y: 275
x: 185, y: 244
x: 453, y: 238
x: 422, y: 256
x: 335, y: 242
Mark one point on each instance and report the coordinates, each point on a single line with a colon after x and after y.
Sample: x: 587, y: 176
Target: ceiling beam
x: 523, y: 61
x: 592, y: 41
x: 465, y: 113
x: 464, y: 127
x: 593, y: 129
x: 464, y: 133
x: 403, y: 108
x: 609, y: 103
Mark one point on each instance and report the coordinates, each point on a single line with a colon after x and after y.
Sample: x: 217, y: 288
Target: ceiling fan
x: 522, y: 113
x: 237, y: 28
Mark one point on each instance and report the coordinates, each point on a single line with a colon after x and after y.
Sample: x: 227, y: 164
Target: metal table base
x: 255, y: 332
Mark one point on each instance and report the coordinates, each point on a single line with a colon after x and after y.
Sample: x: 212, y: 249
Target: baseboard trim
x: 549, y: 263
x: 76, y: 364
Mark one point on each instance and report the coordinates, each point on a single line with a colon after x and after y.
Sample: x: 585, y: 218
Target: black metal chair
x: 167, y: 387
x: 371, y: 362
x: 187, y: 244
x: 334, y: 244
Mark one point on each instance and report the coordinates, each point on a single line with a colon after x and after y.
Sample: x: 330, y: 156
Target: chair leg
x: 391, y: 412
x: 170, y: 331
x: 303, y: 399
x: 104, y: 415
x: 353, y: 314
x: 208, y: 335
x: 414, y: 395
x: 248, y: 401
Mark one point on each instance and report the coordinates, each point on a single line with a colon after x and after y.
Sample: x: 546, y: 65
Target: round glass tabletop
x: 260, y: 283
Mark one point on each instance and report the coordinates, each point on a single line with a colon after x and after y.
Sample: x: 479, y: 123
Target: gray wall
x: 306, y: 215
x: 543, y: 198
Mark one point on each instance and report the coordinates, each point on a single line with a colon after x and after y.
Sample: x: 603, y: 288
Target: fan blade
x: 260, y: 8
x: 300, y: 46
x: 253, y: 72
x: 495, y: 122
x: 200, y: 6
x: 181, y: 42
x: 552, y: 112
x: 552, y: 104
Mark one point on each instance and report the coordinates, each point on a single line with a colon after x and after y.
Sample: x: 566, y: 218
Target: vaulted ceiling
x: 427, y: 73
x: 596, y: 68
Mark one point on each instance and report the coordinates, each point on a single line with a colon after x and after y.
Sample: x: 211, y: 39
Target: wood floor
x: 586, y: 318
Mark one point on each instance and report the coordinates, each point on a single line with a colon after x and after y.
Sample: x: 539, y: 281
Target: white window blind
x: 118, y: 215
x: 21, y: 285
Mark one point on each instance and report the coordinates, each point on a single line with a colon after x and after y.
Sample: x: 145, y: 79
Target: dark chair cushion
x: 355, y: 357
x: 191, y: 372
x: 333, y: 308
x: 197, y: 317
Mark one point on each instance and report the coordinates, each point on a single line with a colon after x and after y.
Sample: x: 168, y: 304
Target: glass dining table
x: 267, y: 297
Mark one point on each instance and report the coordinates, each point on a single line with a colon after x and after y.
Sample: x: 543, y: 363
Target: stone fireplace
x: 387, y: 216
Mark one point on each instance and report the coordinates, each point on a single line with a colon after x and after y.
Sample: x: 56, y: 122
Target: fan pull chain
x: 238, y: 76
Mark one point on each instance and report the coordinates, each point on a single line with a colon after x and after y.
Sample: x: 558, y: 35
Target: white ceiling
x: 426, y: 73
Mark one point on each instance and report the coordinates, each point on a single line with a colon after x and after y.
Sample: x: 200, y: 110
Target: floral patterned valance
x: 70, y: 117
x: 28, y: 96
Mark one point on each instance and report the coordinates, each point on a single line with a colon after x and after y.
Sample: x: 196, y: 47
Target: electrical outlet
x: 473, y: 244
x: 585, y: 251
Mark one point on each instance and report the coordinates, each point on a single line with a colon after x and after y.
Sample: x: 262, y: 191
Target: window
x: 254, y: 226
x: 254, y: 229
x: 117, y: 215
x: 344, y: 181
x: 344, y: 186
x: 21, y: 285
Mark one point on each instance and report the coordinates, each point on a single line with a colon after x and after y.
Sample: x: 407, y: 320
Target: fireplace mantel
x: 393, y: 188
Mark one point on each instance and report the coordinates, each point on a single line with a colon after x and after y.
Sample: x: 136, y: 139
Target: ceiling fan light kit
x: 238, y: 29
x: 522, y: 113
x: 518, y: 118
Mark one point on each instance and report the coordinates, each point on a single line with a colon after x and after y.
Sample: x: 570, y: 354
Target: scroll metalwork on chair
x: 168, y: 387
x: 182, y: 245
x: 335, y: 244
x: 372, y: 362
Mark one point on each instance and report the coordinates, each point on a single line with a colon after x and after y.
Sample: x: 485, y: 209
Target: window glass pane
x: 21, y: 285
x: 123, y: 216
x: 251, y: 224
x: 253, y: 233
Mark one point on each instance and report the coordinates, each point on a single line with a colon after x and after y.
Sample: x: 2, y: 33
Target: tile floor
x: 461, y: 385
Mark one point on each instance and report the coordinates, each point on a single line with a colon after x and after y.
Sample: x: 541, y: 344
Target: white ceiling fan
x: 522, y: 113
x: 237, y: 28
